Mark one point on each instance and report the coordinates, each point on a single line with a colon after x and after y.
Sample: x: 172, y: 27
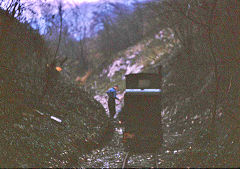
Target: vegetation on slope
x: 201, y: 84
x: 200, y: 97
x: 32, y: 95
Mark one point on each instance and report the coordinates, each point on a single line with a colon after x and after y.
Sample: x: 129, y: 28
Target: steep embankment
x: 46, y: 121
x: 189, y: 140
x: 142, y: 57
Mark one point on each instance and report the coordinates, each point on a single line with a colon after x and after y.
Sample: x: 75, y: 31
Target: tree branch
x: 60, y: 34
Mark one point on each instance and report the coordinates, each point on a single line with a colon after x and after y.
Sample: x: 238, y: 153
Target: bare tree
x: 79, y: 29
x: 60, y: 13
x: 13, y: 7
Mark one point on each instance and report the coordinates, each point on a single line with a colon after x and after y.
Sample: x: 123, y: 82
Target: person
x: 112, y: 95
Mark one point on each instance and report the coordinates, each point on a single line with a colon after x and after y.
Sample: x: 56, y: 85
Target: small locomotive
x: 141, y: 114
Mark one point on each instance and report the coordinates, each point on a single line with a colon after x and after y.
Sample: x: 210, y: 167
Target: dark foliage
x: 31, y: 93
x: 202, y: 75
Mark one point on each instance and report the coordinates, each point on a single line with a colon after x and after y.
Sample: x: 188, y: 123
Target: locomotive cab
x: 142, y: 113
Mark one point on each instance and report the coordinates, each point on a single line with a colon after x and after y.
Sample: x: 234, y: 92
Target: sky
x: 72, y: 2
x: 89, y: 1
x: 35, y: 5
x: 81, y: 1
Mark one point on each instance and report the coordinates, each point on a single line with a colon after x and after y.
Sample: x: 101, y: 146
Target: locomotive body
x: 142, y: 113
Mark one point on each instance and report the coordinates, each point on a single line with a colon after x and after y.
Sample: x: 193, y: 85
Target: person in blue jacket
x: 112, y: 95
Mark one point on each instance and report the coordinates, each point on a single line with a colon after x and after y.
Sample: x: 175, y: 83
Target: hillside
x: 46, y: 121
x: 189, y: 139
x: 145, y: 56
x: 53, y: 100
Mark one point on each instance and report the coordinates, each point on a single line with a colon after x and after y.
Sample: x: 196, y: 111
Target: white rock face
x: 133, y: 69
x: 131, y: 56
x: 103, y: 99
x: 131, y: 61
x: 123, y: 64
x: 117, y: 65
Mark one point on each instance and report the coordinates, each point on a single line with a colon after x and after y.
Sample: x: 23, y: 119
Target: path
x: 112, y: 156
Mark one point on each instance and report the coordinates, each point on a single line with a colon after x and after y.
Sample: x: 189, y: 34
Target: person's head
x: 116, y: 87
